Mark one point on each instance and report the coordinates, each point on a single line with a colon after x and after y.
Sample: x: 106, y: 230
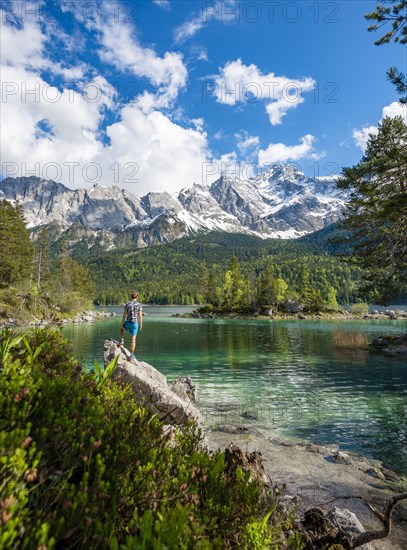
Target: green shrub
x: 360, y: 308
x: 82, y: 466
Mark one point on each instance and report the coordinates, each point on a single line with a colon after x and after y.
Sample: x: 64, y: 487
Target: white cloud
x: 246, y: 142
x: 362, y: 135
x: 395, y: 109
x: 188, y: 29
x: 225, y: 11
x: 279, y: 152
x: 278, y: 109
x: 220, y: 134
x: 198, y: 123
x: 167, y: 73
x: 24, y: 46
x: 239, y: 83
x: 164, y: 4
x: 120, y: 47
x: 57, y: 133
x: 165, y: 155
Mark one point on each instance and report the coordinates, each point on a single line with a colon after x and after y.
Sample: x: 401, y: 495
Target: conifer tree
x: 377, y: 209
x: 396, y: 14
x: 305, y: 289
x: 16, y: 251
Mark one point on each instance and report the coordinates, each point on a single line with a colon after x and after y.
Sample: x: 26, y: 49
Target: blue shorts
x: 131, y: 327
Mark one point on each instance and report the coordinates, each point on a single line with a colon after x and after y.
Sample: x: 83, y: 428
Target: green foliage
x: 104, y: 375
x: 31, y: 285
x: 185, y: 271
x: 258, y: 536
x: 396, y: 14
x: 360, y: 308
x: 377, y: 210
x: 82, y: 466
x: 16, y: 250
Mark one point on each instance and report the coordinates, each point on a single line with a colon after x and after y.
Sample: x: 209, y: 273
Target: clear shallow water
x: 289, y: 373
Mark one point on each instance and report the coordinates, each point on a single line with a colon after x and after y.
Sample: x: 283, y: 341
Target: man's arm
x: 140, y: 319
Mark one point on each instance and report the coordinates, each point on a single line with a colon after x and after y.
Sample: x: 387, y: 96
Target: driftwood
x: 324, y: 531
x: 384, y: 517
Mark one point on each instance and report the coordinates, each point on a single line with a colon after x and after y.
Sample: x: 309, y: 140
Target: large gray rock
x: 348, y: 523
x: 150, y: 387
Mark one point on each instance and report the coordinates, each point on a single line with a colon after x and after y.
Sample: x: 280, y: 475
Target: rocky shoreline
x: 88, y: 316
x: 322, y: 476
x: 280, y: 316
x: 312, y: 476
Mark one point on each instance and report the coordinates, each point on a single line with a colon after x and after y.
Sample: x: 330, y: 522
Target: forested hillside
x: 186, y: 270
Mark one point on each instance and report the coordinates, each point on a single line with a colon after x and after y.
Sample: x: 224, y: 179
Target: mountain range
x: 280, y: 202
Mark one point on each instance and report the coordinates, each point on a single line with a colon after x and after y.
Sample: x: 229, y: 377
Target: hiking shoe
x: 132, y: 356
x: 122, y: 342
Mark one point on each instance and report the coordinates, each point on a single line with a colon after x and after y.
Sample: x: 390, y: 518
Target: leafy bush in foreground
x: 82, y: 466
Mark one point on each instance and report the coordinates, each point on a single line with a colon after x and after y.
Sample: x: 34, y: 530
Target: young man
x: 132, y: 321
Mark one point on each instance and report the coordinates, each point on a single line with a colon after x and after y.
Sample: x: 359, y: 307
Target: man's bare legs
x: 133, y: 344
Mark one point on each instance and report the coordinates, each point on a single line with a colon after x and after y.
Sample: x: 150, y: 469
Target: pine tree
x: 42, y: 262
x: 331, y: 302
x: 377, y: 209
x: 233, y: 286
x: 16, y: 251
x: 305, y: 289
x: 280, y: 292
x: 266, y: 297
x: 397, y: 15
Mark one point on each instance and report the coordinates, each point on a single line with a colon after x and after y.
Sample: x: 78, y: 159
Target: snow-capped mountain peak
x: 280, y: 201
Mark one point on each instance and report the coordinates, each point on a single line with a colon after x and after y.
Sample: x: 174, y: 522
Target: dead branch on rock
x: 385, y: 517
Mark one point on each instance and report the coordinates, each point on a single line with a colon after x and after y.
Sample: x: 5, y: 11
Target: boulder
x: 150, y: 387
x: 185, y: 388
x: 348, y: 523
x: 294, y: 306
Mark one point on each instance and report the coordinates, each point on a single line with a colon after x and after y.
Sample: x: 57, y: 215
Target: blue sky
x: 155, y: 95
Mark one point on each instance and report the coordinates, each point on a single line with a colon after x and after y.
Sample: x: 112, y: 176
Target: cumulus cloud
x: 279, y: 152
x: 120, y: 47
x: 362, y: 135
x: 239, y: 83
x: 60, y: 132
x: 246, y: 142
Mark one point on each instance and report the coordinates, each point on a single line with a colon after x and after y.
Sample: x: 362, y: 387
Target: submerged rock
x: 151, y: 389
x: 250, y: 415
x: 231, y: 429
x: 389, y: 345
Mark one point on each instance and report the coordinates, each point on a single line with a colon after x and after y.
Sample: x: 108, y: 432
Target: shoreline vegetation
x: 213, y: 313
x: 95, y: 461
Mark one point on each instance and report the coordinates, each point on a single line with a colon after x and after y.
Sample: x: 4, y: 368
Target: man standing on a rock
x: 132, y: 321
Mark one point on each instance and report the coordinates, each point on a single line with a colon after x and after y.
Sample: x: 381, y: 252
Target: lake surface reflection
x: 297, y: 377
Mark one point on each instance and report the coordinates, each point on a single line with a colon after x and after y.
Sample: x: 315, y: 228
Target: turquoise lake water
x: 293, y: 375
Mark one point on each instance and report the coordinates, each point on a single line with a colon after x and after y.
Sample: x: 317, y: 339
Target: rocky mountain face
x: 280, y: 202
